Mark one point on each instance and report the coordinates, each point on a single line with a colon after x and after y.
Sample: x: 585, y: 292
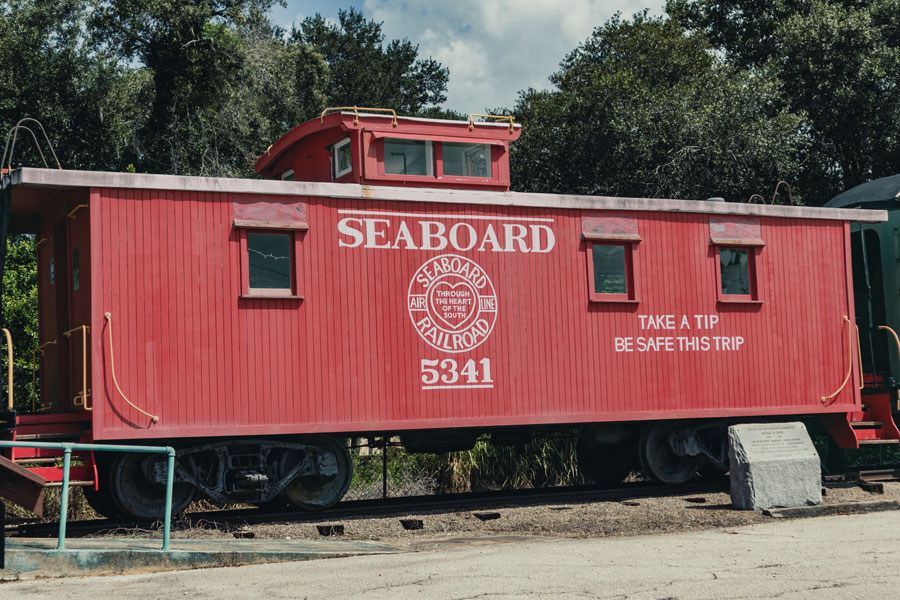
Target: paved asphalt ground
x: 854, y: 556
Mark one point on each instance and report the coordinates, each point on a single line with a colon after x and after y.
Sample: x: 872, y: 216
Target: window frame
x: 374, y: 164
x: 631, y: 292
x: 752, y: 273
x: 291, y: 293
x: 432, y: 156
x: 492, y: 159
x: 334, y: 149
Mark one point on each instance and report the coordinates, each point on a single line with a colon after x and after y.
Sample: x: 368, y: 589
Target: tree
x: 365, y: 72
x: 640, y: 109
x: 87, y: 103
x: 836, y: 62
x: 20, y: 311
x: 191, y: 52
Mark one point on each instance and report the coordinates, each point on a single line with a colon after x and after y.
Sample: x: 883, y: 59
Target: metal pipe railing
x: 67, y: 449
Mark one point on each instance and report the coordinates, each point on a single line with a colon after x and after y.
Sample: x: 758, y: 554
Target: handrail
x: 893, y: 333
x: 67, y: 449
x: 8, y: 149
x: 775, y: 193
x: 356, y: 110
x: 497, y: 117
x: 34, y: 354
x: 862, y: 378
x: 85, y: 392
x: 112, y: 370
x: 72, y: 212
x: 9, y: 366
x: 849, y: 361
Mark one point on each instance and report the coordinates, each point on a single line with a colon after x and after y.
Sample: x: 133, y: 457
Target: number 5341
x: 447, y: 371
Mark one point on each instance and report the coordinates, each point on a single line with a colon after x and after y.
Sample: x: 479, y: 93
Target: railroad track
x: 386, y: 507
x: 470, y: 501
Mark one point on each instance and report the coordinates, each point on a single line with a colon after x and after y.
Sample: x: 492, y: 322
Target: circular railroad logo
x: 452, y: 303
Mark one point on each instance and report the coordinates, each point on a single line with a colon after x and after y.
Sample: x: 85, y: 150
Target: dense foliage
x: 643, y: 109
x: 197, y: 87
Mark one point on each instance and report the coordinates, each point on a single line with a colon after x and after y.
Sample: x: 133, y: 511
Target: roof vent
x: 716, y: 199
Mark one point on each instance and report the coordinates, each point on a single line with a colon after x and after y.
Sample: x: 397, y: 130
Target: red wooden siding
x: 167, y: 266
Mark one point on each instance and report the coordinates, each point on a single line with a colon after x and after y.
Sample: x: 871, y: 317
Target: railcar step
x: 863, y: 424
x: 33, y: 437
x: 867, y: 442
x: 71, y: 483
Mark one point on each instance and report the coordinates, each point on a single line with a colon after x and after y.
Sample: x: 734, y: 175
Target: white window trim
x: 335, y: 149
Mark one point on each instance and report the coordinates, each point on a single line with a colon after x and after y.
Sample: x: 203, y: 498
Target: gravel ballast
x: 579, y: 520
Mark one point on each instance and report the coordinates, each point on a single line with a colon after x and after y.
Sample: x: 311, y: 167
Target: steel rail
x: 407, y: 505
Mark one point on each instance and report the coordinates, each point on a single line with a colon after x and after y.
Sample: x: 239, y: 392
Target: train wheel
x: 318, y: 491
x: 135, y: 492
x: 605, y: 464
x: 101, y: 500
x: 659, y: 460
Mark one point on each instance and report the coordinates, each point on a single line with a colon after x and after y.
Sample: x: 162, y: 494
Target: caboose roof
x: 36, y: 187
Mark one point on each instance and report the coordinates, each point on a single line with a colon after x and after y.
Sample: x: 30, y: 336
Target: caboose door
x: 79, y: 334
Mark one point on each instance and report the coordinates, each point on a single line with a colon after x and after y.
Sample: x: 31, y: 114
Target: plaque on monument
x: 773, y: 465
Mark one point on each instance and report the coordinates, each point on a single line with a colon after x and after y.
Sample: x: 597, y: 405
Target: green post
x: 64, y: 498
x: 170, y: 483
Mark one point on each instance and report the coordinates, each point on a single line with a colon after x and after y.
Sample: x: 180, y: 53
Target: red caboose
x: 387, y: 282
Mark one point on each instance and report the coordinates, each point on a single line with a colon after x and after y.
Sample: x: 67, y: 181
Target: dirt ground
x: 583, y: 520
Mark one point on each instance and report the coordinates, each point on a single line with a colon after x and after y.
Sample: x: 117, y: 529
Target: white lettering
x: 454, y: 236
x: 428, y: 235
x: 344, y: 228
x: 372, y: 234
x: 435, y: 236
x: 405, y: 236
x: 519, y: 237
x: 490, y: 236
x: 536, y: 245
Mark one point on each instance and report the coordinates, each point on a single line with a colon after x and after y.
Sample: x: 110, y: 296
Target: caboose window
x: 611, y: 272
x: 341, y: 162
x: 735, y: 271
x: 408, y: 157
x: 269, y: 260
x: 467, y: 160
x: 609, y: 269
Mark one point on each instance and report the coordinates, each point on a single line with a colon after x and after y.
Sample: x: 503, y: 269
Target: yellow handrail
x: 112, y: 369
x: 893, y: 333
x: 849, y: 361
x: 34, y: 354
x: 72, y: 212
x: 497, y: 117
x: 356, y: 110
x: 862, y: 378
x: 82, y: 398
x: 9, y: 366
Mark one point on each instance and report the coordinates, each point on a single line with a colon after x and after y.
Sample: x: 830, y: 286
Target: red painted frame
x: 264, y: 293
x: 631, y: 276
x: 754, y: 297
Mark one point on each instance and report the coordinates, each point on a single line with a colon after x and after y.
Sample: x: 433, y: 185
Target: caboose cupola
x: 375, y: 147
